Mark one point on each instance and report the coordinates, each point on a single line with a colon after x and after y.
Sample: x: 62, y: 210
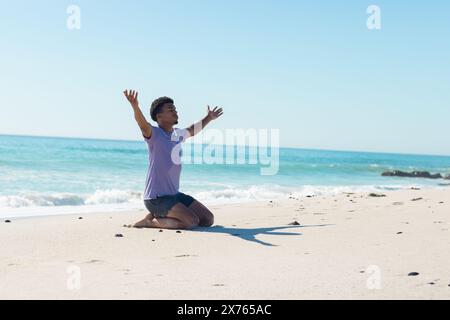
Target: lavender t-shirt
x: 163, y: 177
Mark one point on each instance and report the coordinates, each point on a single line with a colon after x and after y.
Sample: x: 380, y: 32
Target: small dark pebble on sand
x: 416, y: 199
x: 413, y: 274
x: 80, y: 218
x: 432, y: 283
x: 178, y: 231
x: 399, y: 232
x: 118, y: 235
x: 294, y: 223
x: 377, y: 195
x: 160, y: 230
x: 153, y: 239
x: 7, y: 221
x: 413, y: 188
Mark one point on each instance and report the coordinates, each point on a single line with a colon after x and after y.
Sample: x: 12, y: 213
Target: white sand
x: 255, y: 255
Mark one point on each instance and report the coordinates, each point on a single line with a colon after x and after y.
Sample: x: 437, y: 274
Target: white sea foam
x: 35, y: 199
x: 41, y: 200
x: 272, y: 192
x: 112, y: 196
x: 39, y: 204
x: 33, y: 203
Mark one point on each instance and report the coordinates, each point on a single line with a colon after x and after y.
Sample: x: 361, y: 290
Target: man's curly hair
x: 157, y: 104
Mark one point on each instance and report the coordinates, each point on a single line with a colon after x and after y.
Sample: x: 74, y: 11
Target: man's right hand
x: 146, y: 128
x: 132, y: 97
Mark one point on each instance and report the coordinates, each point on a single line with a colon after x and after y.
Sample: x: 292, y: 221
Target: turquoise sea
x: 47, y: 175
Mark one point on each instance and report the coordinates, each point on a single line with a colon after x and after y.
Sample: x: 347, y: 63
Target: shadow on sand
x: 249, y: 234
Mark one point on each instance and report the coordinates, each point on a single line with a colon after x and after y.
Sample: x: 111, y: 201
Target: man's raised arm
x: 146, y: 128
x: 211, y: 115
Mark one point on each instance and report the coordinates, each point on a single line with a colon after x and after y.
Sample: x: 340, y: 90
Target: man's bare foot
x: 147, y: 222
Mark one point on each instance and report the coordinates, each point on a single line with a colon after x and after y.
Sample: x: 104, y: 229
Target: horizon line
x: 281, y: 147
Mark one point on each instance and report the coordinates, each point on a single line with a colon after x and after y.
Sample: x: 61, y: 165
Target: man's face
x: 168, y: 114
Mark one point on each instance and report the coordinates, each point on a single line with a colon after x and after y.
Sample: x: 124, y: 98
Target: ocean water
x: 46, y: 175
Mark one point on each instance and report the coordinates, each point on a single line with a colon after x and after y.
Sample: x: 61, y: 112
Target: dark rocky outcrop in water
x: 447, y: 177
x: 414, y: 174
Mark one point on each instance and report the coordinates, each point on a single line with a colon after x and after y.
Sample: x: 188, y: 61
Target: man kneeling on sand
x: 169, y: 208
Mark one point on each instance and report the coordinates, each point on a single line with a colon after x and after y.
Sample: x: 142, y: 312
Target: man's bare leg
x: 206, y: 217
x: 179, y: 217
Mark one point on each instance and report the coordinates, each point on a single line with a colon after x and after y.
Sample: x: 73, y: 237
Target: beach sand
x: 347, y: 246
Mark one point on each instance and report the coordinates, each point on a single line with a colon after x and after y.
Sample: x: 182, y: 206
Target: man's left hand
x: 214, y: 113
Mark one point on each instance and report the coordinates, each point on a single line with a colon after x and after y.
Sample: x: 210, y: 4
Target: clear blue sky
x: 310, y: 68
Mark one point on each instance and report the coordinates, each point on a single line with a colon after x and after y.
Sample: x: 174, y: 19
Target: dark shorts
x: 160, y: 206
